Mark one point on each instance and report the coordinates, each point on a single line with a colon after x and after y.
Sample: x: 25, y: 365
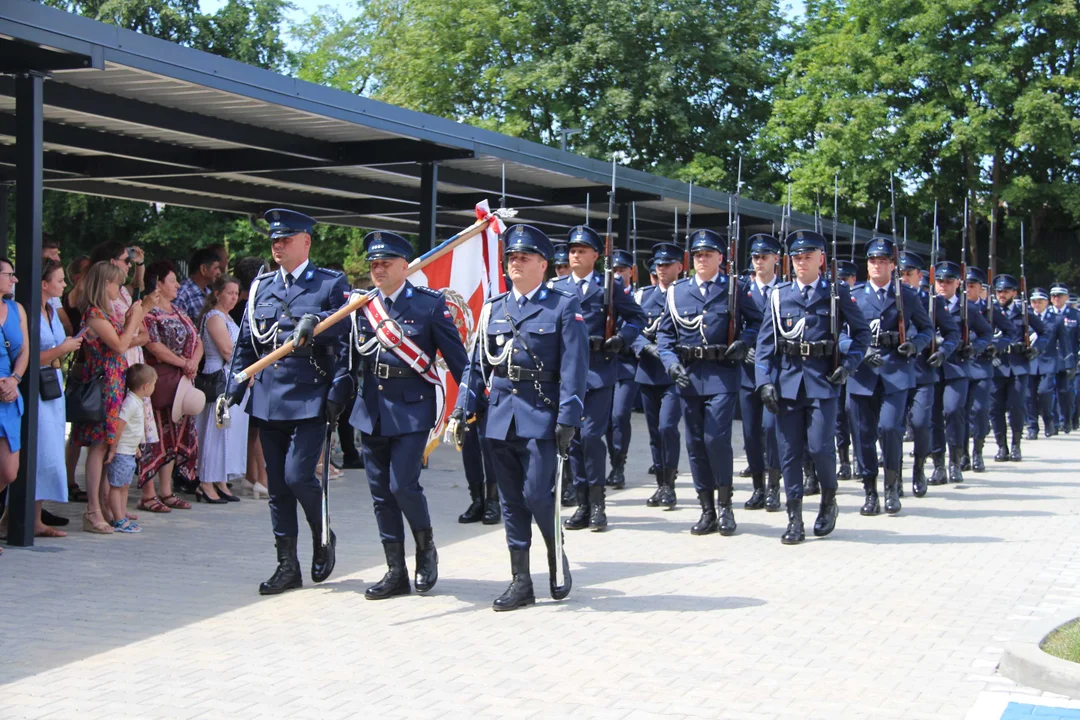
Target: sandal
x: 153, y: 505
x: 50, y: 532
x: 98, y: 528
x: 176, y: 503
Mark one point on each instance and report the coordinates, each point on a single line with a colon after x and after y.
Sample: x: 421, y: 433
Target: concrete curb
x: 1026, y: 663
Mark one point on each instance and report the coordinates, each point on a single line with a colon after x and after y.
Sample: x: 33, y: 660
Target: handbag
x: 85, y: 397
x: 211, y: 384
x: 165, y: 390
x: 49, y: 383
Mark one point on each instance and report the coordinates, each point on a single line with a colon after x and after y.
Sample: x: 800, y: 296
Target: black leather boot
x: 977, y: 463
x: 597, y: 508
x: 616, y: 479
x: 844, y: 471
x: 520, y: 593
x: 706, y: 524
x: 810, y: 481
x: 558, y: 592
x: 1014, y: 452
x: 288, y: 575
x: 965, y: 460
x: 492, y: 511
x: 396, y: 580
x: 475, y: 510
x: 918, y: 476
x: 872, y: 505
x: 956, y: 475
x: 322, y: 558
x: 746, y: 472
x: 772, y: 494
x: 757, y: 498
x: 892, y: 491
x: 939, y: 477
x: 726, y: 516
x: 569, y: 494
x: 1033, y: 434
x: 827, y: 513
x: 654, y: 499
x: 1003, y: 447
x: 427, y: 561
x: 795, y: 532
x: 580, y: 519
x: 667, y: 493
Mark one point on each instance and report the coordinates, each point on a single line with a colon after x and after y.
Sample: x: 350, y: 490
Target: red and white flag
x: 468, y: 276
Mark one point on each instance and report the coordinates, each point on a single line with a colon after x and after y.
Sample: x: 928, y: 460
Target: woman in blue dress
x: 14, y: 357
x: 55, y: 344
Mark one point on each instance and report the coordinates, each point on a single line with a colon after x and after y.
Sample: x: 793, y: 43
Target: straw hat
x: 188, y: 400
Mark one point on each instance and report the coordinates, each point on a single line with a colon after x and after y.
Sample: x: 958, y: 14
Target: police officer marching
x: 399, y: 399
x: 798, y: 379
x: 659, y: 397
x: 293, y: 400
x: 1069, y: 344
x: 587, y: 457
x: 1008, y: 401
x: 1044, y: 368
x: 532, y: 355
x: 878, y: 389
x: 759, y: 427
x: 703, y: 356
x: 626, y: 387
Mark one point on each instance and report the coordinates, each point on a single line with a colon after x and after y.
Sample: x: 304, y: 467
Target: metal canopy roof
x: 134, y: 117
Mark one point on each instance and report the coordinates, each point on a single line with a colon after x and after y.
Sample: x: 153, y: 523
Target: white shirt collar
x: 296, y: 273
x: 577, y: 280
x: 700, y: 281
x: 876, y: 288
x: 761, y: 286
x: 530, y: 294
x: 394, y: 295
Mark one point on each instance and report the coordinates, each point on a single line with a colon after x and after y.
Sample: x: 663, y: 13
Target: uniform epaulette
x: 493, y: 298
x: 560, y: 291
x: 428, y: 291
x: 332, y: 273
x: 267, y: 274
x: 784, y: 284
x: 680, y: 281
x: 858, y: 286
x: 559, y: 278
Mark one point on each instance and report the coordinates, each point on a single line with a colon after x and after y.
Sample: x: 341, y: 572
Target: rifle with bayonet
x: 932, y: 294
x: 835, y: 295
x: 633, y: 243
x: 990, y: 272
x: 965, y: 328
x: 689, y: 216
x: 733, y: 262
x: 609, y: 266
x: 1023, y: 290
x: 901, y: 328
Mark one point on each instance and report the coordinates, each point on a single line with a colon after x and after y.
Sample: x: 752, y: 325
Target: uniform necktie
x: 806, y: 293
x: 881, y: 296
x: 581, y: 288
x: 522, y: 300
x: 705, y: 288
x: 766, y: 291
x: 389, y: 304
x: 289, y: 280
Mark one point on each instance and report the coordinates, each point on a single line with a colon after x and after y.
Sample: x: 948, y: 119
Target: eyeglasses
x: 8, y: 273
x: 124, y: 260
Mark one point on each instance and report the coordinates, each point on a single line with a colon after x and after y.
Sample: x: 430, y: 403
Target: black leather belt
x: 596, y: 344
x: 516, y: 373
x: 386, y: 372
x: 688, y: 353
x: 1017, y: 348
x: 305, y: 351
x: 886, y: 340
x: 821, y: 348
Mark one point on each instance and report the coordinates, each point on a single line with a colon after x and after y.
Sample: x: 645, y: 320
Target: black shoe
x: 965, y: 461
x: 520, y: 593
x: 706, y: 524
x: 569, y: 494
x: 616, y: 479
x: 396, y: 580
x: 746, y: 472
x: 772, y: 491
x: 53, y: 520
x: 1002, y: 454
x: 597, y: 508
x: 288, y: 575
x: 725, y: 516
x: 322, y: 558
x: 977, y: 463
x: 227, y: 497
x: 1014, y: 453
x: 667, y: 492
x: 353, y: 463
x: 918, y: 476
x: 810, y: 480
x: 939, y: 477
x: 1033, y: 434
x: 654, y: 499
x: 795, y: 532
x: 872, y: 505
x: 558, y: 592
x: 475, y: 511
x: 1049, y: 432
x: 956, y: 474
x: 757, y: 498
x: 580, y: 519
x: 827, y: 513
x: 844, y: 473
x: 201, y: 496
x: 492, y: 510
x: 892, y: 491
x: 427, y: 561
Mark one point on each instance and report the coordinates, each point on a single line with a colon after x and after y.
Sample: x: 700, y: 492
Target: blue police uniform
x: 704, y: 359
x: 848, y: 272
x: 758, y: 426
x: 922, y: 398
x: 1069, y: 343
x: 1008, y: 400
x: 799, y: 380
x: 587, y: 457
x: 288, y: 400
x: 396, y: 408
x: 1042, y: 386
x: 660, y: 400
x: 625, y: 395
x: 532, y: 354
x: 878, y: 390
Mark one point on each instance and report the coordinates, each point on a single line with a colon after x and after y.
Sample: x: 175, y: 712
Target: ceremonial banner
x: 467, y: 276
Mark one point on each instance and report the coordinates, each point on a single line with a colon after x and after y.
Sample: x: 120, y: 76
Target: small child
x: 130, y: 434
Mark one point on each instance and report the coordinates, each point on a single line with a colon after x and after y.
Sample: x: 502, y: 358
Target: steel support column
x: 29, y: 176
x: 429, y: 196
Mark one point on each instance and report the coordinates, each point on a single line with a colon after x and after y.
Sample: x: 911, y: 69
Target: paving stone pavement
x: 890, y: 617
